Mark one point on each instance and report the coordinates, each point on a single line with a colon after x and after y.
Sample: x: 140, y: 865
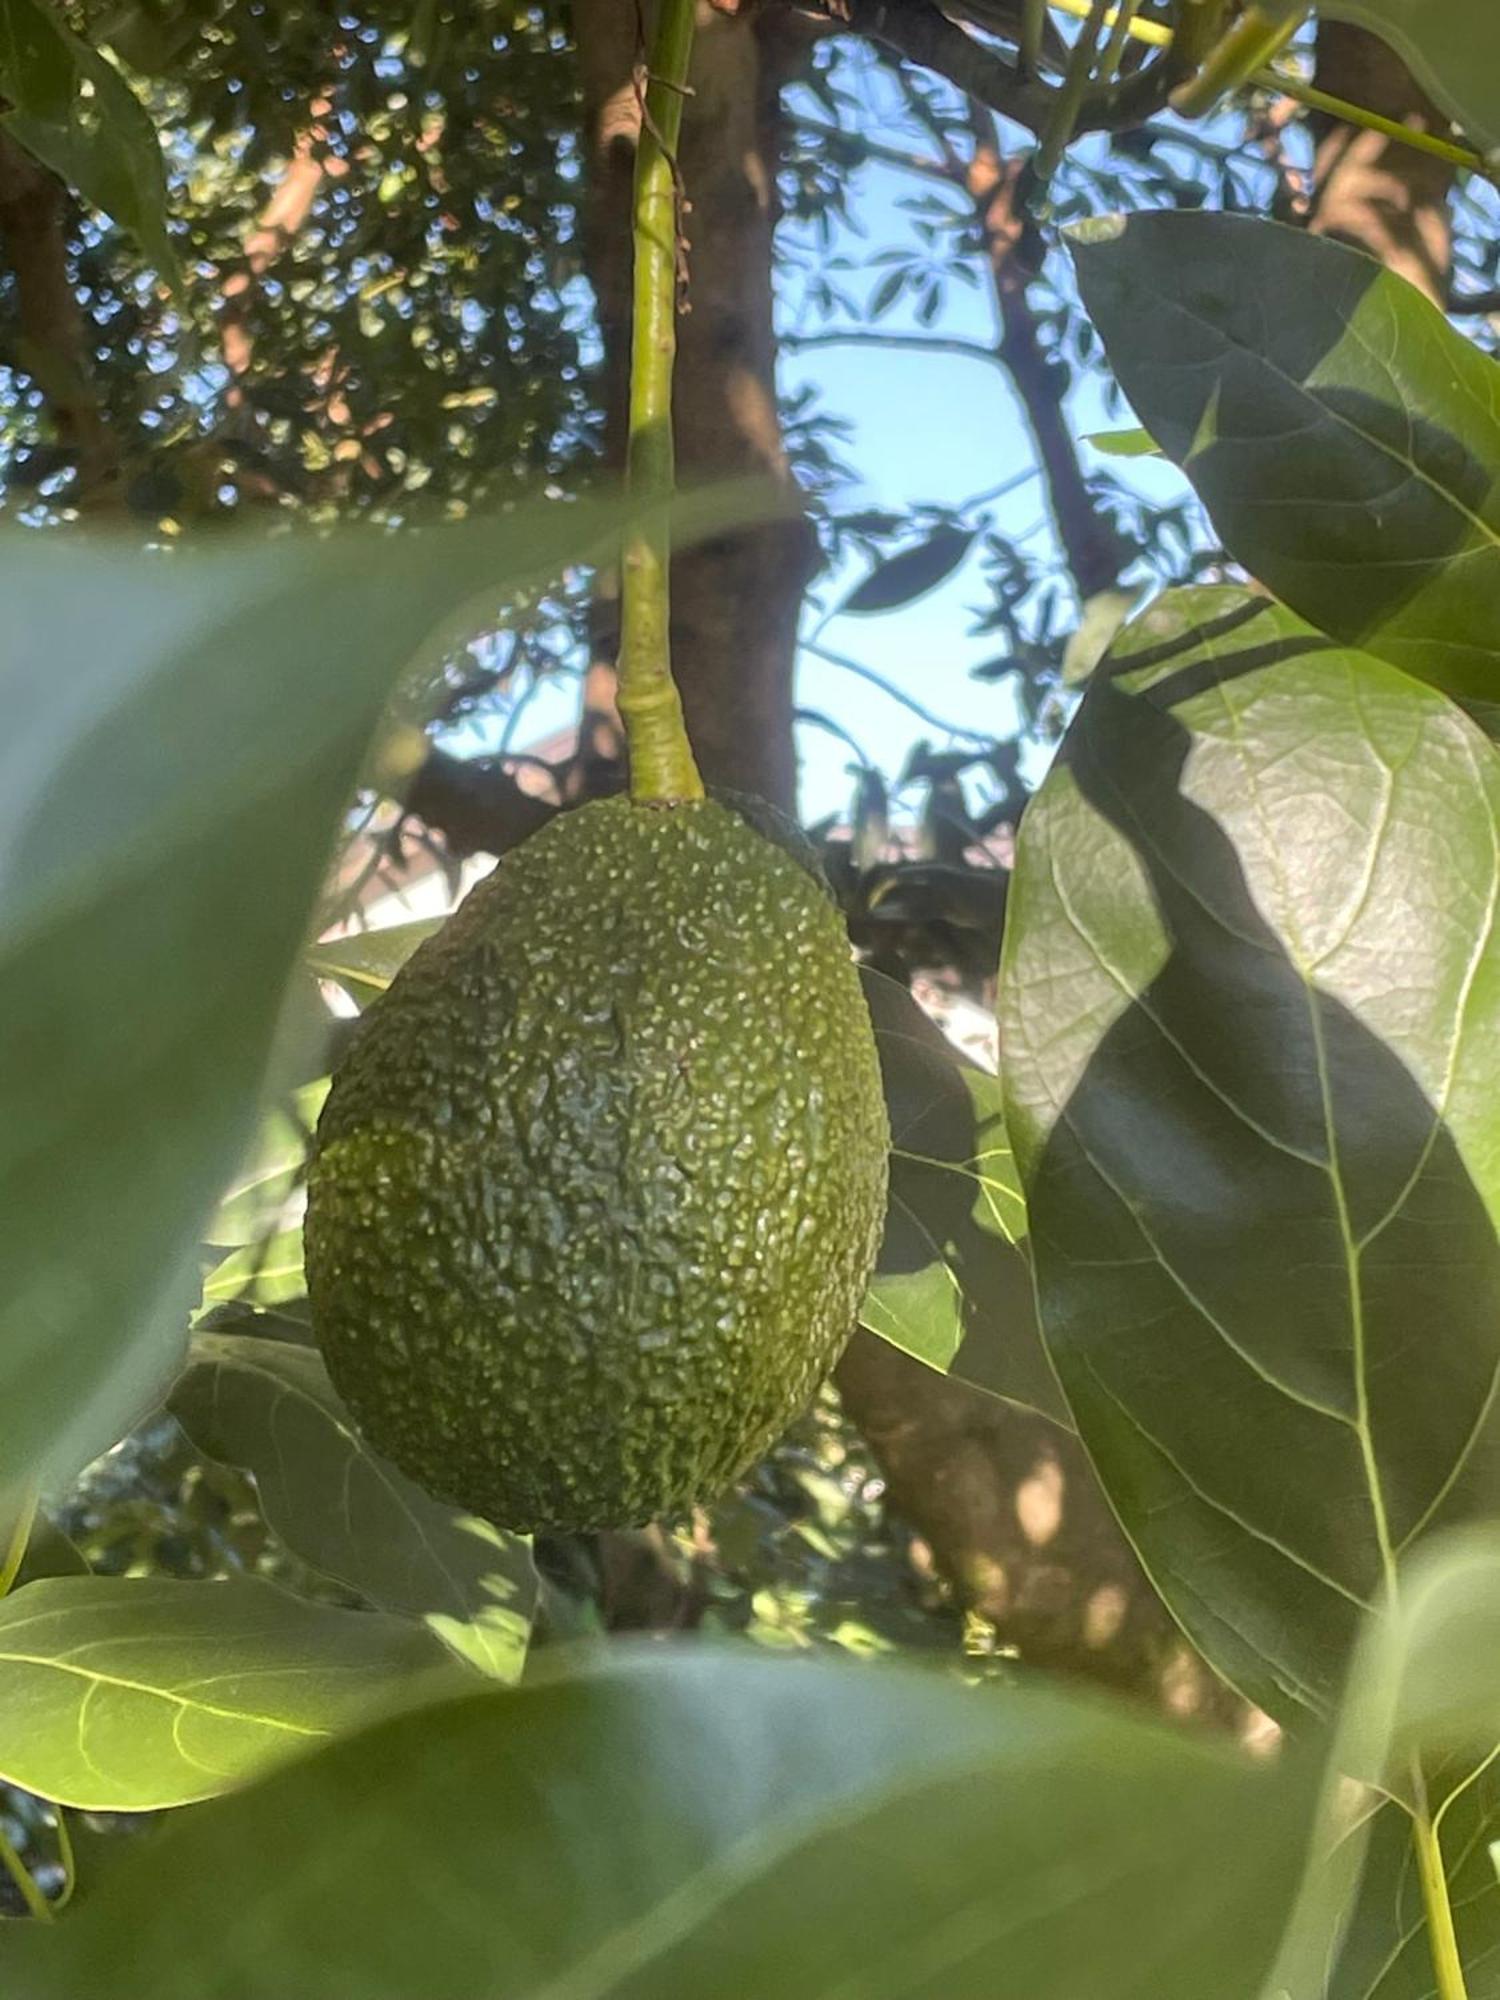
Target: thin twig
x: 865, y: 673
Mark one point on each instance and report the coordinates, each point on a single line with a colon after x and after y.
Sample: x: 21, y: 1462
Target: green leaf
x: 678, y: 1825
x: 1385, y: 1952
x: 1132, y: 443
x: 365, y: 963
x: 1450, y: 47
x: 258, y: 1194
x: 268, y: 1407
x: 77, y: 114
x: 264, y: 1273
x: 1344, y: 438
x: 911, y: 573
x: 952, y: 1285
x: 1251, y: 1014
x: 122, y: 1694
x: 1423, y: 1688
x: 1102, y: 616
x: 181, y: 729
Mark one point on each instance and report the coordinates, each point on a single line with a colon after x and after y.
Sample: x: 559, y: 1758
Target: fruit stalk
x: 662, y: 768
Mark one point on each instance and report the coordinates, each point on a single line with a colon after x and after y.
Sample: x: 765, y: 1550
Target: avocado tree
x: 1236, y: 1184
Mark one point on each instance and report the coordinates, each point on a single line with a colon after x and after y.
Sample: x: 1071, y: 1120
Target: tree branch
x: 479, y: 808
x: 913, y: 343
x: 1093, y: 548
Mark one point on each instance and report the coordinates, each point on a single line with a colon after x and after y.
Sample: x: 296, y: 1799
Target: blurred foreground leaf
x: 677, y: 1825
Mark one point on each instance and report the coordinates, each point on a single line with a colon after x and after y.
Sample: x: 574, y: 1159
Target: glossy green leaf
x: 181, y: 729
x: 1251, y: 1014
x: 76, y: 113
x: 122, y: 1694
x: 1345, y: 439
x: 268, y: 1407
x: 365, y: 963
x: 952, y: 1285
x: 1450, y: 47
x: 672, y: 1826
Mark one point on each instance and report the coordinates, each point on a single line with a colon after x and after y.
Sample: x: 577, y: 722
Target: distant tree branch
x: 915, y: 343
x: 1470, y: 303
x: 864, y: 673
x: 1092, y: 546
x: 927, y: 165
x: 55, y: 347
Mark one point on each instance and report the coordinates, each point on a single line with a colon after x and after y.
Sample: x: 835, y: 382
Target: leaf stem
x: 1159, y: 35
x: 68, y: 1858
x: 1442, y: 1939
x: 662, y: 769
x: 31, y: 1895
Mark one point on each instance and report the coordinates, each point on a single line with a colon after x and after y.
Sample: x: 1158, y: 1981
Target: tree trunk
x: 736, y: 600
x: 54, y: 333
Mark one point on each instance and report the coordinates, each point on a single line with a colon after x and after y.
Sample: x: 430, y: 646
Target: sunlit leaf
x: 365, y: 962
x: 266, y: 1272
x: 123, y: 1694
x: 1132, y: 443
x: 1345, y: 439
x: 1251, y: 1020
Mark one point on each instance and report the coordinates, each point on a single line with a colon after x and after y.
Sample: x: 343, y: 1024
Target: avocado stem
x: 662, y: 767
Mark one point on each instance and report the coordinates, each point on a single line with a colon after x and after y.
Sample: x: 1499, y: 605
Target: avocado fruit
x: 600, y: 1183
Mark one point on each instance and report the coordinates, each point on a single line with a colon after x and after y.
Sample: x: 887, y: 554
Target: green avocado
x: 599, y: 1186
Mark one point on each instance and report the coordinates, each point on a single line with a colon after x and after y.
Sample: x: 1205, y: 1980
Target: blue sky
x: 926, y: 428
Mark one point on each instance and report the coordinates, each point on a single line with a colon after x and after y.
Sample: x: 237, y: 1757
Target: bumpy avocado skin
x: 599, y: 1186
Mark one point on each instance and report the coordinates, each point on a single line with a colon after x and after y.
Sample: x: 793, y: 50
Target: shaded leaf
x: 1385, y: 1952
x: 952, y: 1286
x: 1346, y: 442
x: 122, y: 1694
x: 269, y: 1408
x: 181, y: 730
x: 676, y: 1825
x: 1424, y: 1687
x: 911, y: 573
x: 77, y: 114
x: 1251, y: 1014
x: 49, y: 1552
x: 1450, y: 47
